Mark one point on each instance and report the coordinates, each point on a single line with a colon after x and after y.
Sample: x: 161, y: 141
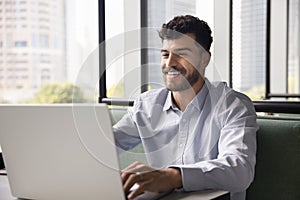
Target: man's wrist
x: 175, y: 175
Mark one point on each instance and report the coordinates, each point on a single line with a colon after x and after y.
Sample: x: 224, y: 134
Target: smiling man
x: 196, y: 134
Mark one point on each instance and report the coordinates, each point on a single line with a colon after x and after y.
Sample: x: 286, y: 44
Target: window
x: 20, y: 43
x: 122, y: 45
x: 55, y: 42
x: 65, y: 30
x: 34, y: 40
x: 284, y: 72
x: 44, y: 40
x: 249, y: 34
x: 293, y: 47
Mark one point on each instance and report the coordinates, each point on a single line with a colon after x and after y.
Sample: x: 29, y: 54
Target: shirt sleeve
x: 126, y: 133
x: 233, y: 169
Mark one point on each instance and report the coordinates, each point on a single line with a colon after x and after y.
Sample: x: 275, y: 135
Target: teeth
x: 173, y: 73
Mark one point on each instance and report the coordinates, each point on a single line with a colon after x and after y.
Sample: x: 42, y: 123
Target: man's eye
x: 182, y: 54
x: 165, y: 55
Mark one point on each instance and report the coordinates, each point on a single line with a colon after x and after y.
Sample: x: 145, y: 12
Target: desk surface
x: 201, y: 195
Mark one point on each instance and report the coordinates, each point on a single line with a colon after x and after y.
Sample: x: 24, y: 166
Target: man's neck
x: 182, y: 98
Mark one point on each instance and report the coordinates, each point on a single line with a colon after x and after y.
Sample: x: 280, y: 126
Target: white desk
x: 201, y: 195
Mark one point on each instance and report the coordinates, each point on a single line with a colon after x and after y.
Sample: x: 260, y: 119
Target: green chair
x: 277, y: 174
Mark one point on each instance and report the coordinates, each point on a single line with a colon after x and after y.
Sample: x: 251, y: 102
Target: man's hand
x: 149, y: 179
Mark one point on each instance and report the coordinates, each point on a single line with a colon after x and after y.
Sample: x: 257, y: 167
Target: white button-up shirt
x: 213, y: 141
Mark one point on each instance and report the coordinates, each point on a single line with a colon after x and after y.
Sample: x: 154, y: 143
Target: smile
x: 173, y: 73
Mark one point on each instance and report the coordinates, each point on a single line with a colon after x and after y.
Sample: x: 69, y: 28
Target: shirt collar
x: 197, y: 102
x: 169, y: 102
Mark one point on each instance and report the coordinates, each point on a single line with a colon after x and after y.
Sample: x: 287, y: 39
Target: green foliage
x: 293, y: 84
x: 58, y: 93
x: 3, y: 101
x: 116, y: 90
x: 256, y: 93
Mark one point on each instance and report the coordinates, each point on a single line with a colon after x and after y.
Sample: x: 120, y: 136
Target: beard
x: 183, y: 82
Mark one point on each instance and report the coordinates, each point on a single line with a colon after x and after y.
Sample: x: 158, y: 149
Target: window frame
x: 225, y: 7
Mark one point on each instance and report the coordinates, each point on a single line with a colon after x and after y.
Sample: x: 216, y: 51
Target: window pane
x: 123, y: 65
x: 43, y: 44
x: 293, y: 47
x: 249, y: 18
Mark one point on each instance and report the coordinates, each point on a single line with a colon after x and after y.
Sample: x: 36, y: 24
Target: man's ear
x: 205, y: 58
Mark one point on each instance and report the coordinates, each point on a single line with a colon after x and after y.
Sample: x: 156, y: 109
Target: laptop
x: 61, y: 151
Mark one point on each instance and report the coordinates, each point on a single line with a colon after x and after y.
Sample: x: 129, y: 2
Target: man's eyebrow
x: 176, y: 50
x: 164, y: 51
x: 183, y: 49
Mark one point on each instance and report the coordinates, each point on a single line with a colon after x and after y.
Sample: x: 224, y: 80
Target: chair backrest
x: 277, y: 174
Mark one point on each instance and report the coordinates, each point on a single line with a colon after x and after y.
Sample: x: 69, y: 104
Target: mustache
x: 172, y: 69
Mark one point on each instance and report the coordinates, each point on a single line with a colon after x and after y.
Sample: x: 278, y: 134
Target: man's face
x: 182, y: 63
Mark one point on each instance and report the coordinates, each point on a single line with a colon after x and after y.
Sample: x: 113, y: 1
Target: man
x: 196, y: 135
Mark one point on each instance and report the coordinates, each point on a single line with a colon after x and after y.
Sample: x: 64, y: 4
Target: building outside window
x: 249, y: 33
x: 52, y: 39
x: 293, y: 47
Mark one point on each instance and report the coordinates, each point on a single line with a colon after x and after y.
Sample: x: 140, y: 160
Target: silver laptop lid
x: 60, y: 152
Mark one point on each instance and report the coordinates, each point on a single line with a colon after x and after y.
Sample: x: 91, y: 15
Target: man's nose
x: 172, y: 60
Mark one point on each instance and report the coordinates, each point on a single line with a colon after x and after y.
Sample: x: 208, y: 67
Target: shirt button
x: 184, y: 120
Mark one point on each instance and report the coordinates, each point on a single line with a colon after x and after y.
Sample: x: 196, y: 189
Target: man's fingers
x: 137, y: 167
x: 125, y: 175
x: 146, y: 177
x: 132, y: 166
x: 130, y: 181
x: 131, y: 169
x: 140, y: 190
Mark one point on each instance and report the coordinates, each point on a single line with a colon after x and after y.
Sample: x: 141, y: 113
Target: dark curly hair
x: 187, y: 24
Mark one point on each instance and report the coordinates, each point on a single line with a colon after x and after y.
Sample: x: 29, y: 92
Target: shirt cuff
x: 192, y: 178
